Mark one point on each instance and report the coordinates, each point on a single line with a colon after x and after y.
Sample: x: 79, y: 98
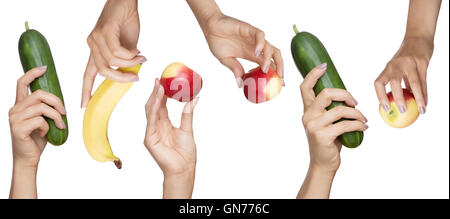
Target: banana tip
x: 118, y: 164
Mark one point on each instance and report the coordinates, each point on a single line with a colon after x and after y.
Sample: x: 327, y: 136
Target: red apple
x: 260, y: 87
x: 400, y: 120
x: 180, y: 82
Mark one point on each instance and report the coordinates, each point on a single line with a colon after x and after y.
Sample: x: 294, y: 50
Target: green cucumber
x: 34, y: 52
x: 308, y: 52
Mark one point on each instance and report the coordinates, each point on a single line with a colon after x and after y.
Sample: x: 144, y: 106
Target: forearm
x: 422, y: 18
x: 203, y: 10
x: 179, y: 186
x: 23, y: 184
x: 317, y: 184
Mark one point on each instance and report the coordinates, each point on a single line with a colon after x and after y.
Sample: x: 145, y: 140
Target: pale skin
x: 172, y: 148
x: 411, y: 61
x: 28, y: 130
x: 322, y: 133
x: 113, y: 42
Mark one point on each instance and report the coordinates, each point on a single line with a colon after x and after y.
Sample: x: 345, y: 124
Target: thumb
x: 186, y: 117
x: 235, y: 66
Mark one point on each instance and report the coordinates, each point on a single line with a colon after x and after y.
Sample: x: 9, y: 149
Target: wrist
x: 323, y: 170
x: 179, y: 185
x: 205, y: 11
x: 25, y: 163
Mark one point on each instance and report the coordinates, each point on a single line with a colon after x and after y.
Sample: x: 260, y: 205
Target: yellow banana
x: 96, y: 117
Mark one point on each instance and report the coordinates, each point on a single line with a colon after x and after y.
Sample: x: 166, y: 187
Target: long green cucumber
x: 308, y: 52
x: 34, y: 52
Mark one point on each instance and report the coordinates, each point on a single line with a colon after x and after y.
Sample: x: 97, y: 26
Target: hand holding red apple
x: 180, y: 82
x: 260, y: 87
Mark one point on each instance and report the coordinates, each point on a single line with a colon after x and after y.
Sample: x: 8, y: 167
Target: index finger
x: 25, y: 80
x: 309, y: 82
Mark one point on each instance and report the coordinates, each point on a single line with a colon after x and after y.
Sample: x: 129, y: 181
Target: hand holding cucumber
x: 323, y: 126
x: 113, y: 44
x: 26, y: 118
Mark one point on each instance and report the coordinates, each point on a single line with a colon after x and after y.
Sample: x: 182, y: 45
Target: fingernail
x: 322, y: 66
x: 44, y: 67
x: 422, y: 110
x: 144, y: 60
x: 239, y: 82
x: 194, y: 103
x: 365, y: 119
x: 63, y: 125
x: 266, y: 69
x: 386, y: 107
x: 356, y: 102
x: 135, y: 79
x: 283, y: 83
x: 63, y: 111
x: 366, y: 126
x: 161, y: 89
x: 402, y: 109
x: 257, y: 53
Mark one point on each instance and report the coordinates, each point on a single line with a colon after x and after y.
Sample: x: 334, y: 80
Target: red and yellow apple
x: 394, y: 118
x: 260, y: 87
x: 180, y: 82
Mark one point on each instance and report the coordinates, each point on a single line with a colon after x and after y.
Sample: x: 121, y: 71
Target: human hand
x: 26, y: 118
x: 172, y: 148
x: 320, y: 125
x: 229, y: 39
x: 409, y: 64
x: 113, y: 43
x: 28, y: 130
x: 322, y: 130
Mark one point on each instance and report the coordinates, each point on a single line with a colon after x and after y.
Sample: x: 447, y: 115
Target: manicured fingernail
x: 365, y: 119
x: 143, y: 60
x: 356, y: 102
x: 135, y: 79
x: 283, y: 82
x: 366, y: 126
x: 43, y: 67
x: 257, y: 53
x: 63, y: 111
x: 422, y: 110
x: 386, y: 107
x: 322, y: 66
x: 194, y: 103
x: 63, y: 125
x: 402, y: 109
x: 239, y: 82
x: 266, y: 69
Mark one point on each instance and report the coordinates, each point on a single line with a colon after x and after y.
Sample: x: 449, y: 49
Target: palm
x: 35, y: 144
x: 173, y: 148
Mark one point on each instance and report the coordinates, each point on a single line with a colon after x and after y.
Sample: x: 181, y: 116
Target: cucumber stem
x: 26, y: 25
x: 295, y: 29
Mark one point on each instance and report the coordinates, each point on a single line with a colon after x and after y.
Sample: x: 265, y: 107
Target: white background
x: 244, y: 150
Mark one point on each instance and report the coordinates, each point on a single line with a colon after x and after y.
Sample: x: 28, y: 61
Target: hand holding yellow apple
x: 394, y: 118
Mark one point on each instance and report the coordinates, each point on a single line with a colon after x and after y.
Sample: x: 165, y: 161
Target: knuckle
x: 326, y: 92
x: 304, y: 120
x: 115, y: 52
x: 340, y: 110
x: 11, y: 112
x: 309, y: 125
